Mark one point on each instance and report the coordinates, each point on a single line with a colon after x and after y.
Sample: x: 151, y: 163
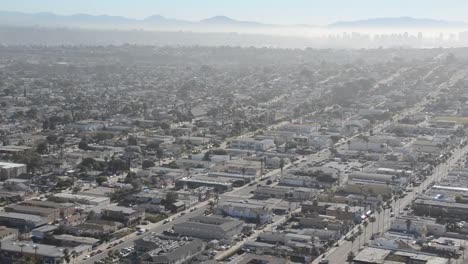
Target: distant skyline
x: 265, y: 11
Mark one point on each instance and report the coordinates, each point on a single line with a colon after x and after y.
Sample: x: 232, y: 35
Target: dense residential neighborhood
x: 144, y: 154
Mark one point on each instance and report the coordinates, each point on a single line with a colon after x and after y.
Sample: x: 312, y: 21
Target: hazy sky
x: 267, y: 11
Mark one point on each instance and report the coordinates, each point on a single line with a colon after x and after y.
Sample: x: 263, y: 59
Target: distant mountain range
x: 217, y: 22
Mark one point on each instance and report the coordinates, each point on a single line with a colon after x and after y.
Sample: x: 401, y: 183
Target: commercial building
x: 220, y: 184
x: 209, y: 227
x: 50, y: 214
x: 81, y: 199
x: 288, y: 193
x: 156, y: 245
x: 436, y: 208
x: 177, y: 252
x: 24, y: 222
x: 65, y: 209
x: 263, y: 259
x: 372, y: 255
x: 252, y: 144
x: 126, y: 215
x: 11, y: 170
x: 73, y: 241
x: 257, y: 213
x: 12, y: 251
x: 244, y: 167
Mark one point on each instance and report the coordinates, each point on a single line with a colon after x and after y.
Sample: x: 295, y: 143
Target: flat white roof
x: 8, y: 165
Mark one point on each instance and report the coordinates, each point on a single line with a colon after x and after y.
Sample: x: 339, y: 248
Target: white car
x: 87, y: 257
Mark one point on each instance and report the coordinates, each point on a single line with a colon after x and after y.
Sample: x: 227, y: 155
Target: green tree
x: 159, y: 155
x: 42, y: 148
x: 171, y: 197
x: 117, y: 165
x: 148, y: 164
x: 83, y: 145
x: 91, y: 215
x: 132, y: 141
x: 101, y: 179
x: 30, y: 158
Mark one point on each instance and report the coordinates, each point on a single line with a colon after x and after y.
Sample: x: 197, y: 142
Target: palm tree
x: 35, y: 252
x: 352, y: 238
x: 372, y: 220
x: 66, y: 255
x: 408, y: 227
x: 365, y: 223
x: 359, y: 236
x: 21, y: 247
x: 350, y: 257
x: 379, y: 210
x: 74, y: 255
x: 281, y: 166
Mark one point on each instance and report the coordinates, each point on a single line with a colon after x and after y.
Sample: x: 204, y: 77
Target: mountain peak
x: 219, y: 19
x: 155, y: 18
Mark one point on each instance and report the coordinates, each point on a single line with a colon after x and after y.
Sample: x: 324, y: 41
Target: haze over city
x: 233, y: 132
